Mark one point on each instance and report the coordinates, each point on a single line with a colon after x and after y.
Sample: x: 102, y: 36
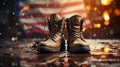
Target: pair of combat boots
x: 55, y: 42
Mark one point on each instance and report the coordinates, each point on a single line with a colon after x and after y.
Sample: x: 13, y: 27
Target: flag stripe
x: 45, y: 28
x: 33, y: 6
x: 34, y: 19
x: 35, y: 23
x: 45, y: 14
x: 48, y: 1
x: 53, y: 10
x: 36, y: 30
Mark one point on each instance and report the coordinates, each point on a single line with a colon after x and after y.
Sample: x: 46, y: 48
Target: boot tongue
x: 54, y: 23
x: 54, y: 18
x: 75, y: 28
x: 75, y: 23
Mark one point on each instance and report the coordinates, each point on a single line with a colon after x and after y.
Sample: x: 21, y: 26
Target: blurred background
x: 27, y: 18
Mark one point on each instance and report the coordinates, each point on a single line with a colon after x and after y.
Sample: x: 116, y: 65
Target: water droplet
x: 3, y: 3
x: 94, y: 35
x: 0, y: 33
x: 13, y: 13
x: 111, y: 32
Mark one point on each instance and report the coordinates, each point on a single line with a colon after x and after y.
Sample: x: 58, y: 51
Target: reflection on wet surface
x: 26, y: 56
x: 74, y: 60
x: 62, y: 60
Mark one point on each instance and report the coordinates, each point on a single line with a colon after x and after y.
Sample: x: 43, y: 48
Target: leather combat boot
x: 54, y: 42
x: 76, y: 42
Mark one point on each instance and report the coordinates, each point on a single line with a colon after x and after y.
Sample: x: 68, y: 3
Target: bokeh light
x: 88, y: 7
x: 84, y: 29
x: 106, y: 49
x: 117, y: 12
x: 97, y: 25
x: 106, y: 23
x: 26, y: 7
x: 106, y: 15
x: 106, y: 2
x: 103, y: 56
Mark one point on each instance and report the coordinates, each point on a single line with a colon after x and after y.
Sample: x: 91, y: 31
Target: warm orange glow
x: 103, y: 56
x: 106, y: 23
x: 106, y: 15
x: 106, y: 49
x: 94, y: 25
x: 91, y: 57
x: 26, y: 7
x: 117, y: 12
x: 98, y: 25
x: 84, y: 29
x: 106, y: 2
x: 88, y: 7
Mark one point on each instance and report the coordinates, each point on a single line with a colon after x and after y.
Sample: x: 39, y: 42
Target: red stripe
x: 35, y: 30
x: 56, y: 5
x: 35, y: 15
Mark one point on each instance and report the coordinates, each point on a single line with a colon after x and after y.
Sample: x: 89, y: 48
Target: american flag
x: 33, y: 17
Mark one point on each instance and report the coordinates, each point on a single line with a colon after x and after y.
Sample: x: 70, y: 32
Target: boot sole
x: 47, y: 49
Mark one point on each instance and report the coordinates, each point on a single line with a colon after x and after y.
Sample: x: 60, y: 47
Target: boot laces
x: 78, y: 35
x: 54, y: 36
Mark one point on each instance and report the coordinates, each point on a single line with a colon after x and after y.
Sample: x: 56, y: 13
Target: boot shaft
x: 55, y: 24
x: 75, y: 26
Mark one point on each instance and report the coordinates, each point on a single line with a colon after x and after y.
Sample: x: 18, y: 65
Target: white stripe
x: 24, y: 20
x: 70, y: 14
x: 45, y: 28
x: 75, y: 13
x: 29, y: 2
x: 53, y: 10
x: 73, y: 8
x: 83, y: 15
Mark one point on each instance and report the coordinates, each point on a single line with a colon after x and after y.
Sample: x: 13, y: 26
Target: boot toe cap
x: 42, y: 48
